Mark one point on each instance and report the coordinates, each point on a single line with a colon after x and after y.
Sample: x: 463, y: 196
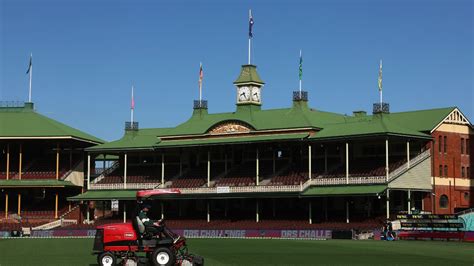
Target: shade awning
x: 344, y: 190
x: 105, y: 195
x: 13, y: 183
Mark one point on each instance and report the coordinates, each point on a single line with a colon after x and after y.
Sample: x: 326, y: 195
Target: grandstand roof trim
x: 10, y: 183
x: 241, y: 138
x: 344, y: 190
x: 26, y: 123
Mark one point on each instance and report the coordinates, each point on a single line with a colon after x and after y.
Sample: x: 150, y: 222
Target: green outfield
x: 256, y: 252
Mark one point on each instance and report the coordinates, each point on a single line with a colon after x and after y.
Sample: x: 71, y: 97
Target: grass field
x: 256, y: 252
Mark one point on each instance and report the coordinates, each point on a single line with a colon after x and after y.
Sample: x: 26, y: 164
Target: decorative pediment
x: 230, y: 127
x: 456, y: 117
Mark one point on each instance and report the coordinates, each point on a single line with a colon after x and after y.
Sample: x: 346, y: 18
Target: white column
x: 257, y: 168
x: 124, y: 212
x: 388, y: 204
x: 88, y: 171
x: 409, y: 202
x: 162, y: 170
x: 208, y: 213
x: 310, y: 210
x: 408, y: 154
x: 386, y: 161
x: 208, y: 168
x: 347, y: 211
x: 347, y: 163
x: 162, y: 210
x: 125, y: 172
x: 257, y: 212
x: 309, y: 162
x: 88, y: 218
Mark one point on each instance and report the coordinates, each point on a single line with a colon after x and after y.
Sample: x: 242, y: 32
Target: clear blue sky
x: 87, y: 54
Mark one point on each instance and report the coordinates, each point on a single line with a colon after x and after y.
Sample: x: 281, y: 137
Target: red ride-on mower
x: 121, y: 242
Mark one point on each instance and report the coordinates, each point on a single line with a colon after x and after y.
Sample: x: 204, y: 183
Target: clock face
x: 244, y: 94
x: 256, y: 94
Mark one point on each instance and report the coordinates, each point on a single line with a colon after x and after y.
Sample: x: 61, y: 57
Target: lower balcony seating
x: 272, y: 224
x: 12, y: 224
x: 367, y: 224
x: 3, y: 175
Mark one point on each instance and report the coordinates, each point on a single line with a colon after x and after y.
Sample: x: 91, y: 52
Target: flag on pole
x: 30, y: 65
x: 301, y: 66
x: 380, y: 76
x: 250, y: 24
x: 132, y: 104
x: 201, y: 75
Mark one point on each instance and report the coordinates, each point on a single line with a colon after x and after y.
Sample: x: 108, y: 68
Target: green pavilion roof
x: 34, y: 183
x: 263, y: 123
x: 25, y: 123
x: 105, y: 195
x: 344, y: 190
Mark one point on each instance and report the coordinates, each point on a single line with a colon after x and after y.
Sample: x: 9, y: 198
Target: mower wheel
x: 163, y: 257
x: 107, y: 259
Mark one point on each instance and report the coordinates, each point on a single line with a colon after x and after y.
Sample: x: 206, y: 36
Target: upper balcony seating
x: 135, y: 174
x: 183, y: 182
x: 365, y: 167
x: 241, y: 175
x: 291, y: 178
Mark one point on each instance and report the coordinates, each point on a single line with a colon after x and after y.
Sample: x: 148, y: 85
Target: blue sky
x: 87, y: 54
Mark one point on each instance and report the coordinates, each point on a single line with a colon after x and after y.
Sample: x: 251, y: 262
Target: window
x: 466, y: 196
x: 440, y: 170
x: 468, y: 172
x: 440, y: 143
x: 445, y: 170
x: 445, y: 144
x: 443, y: 202
x: 468, y: 148
x: 463, y: 173
x: 462, y: 146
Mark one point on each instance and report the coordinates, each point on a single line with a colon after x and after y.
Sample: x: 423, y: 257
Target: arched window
x: 443, y: 202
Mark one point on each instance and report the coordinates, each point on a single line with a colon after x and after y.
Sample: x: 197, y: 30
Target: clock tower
x: 249, y: 86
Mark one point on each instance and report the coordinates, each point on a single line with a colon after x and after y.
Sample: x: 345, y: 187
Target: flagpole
x: 132, y: 108
x: 250, y: 16
x: 200, y: 85
x: 380, y: 83
x: 31, y: 77
x: 301, y: 77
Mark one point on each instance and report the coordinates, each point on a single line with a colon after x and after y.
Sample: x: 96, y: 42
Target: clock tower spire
x: 249, y: 86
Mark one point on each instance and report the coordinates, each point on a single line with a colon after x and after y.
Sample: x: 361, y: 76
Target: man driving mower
x: 151, y: 226
x: 154, y: 228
